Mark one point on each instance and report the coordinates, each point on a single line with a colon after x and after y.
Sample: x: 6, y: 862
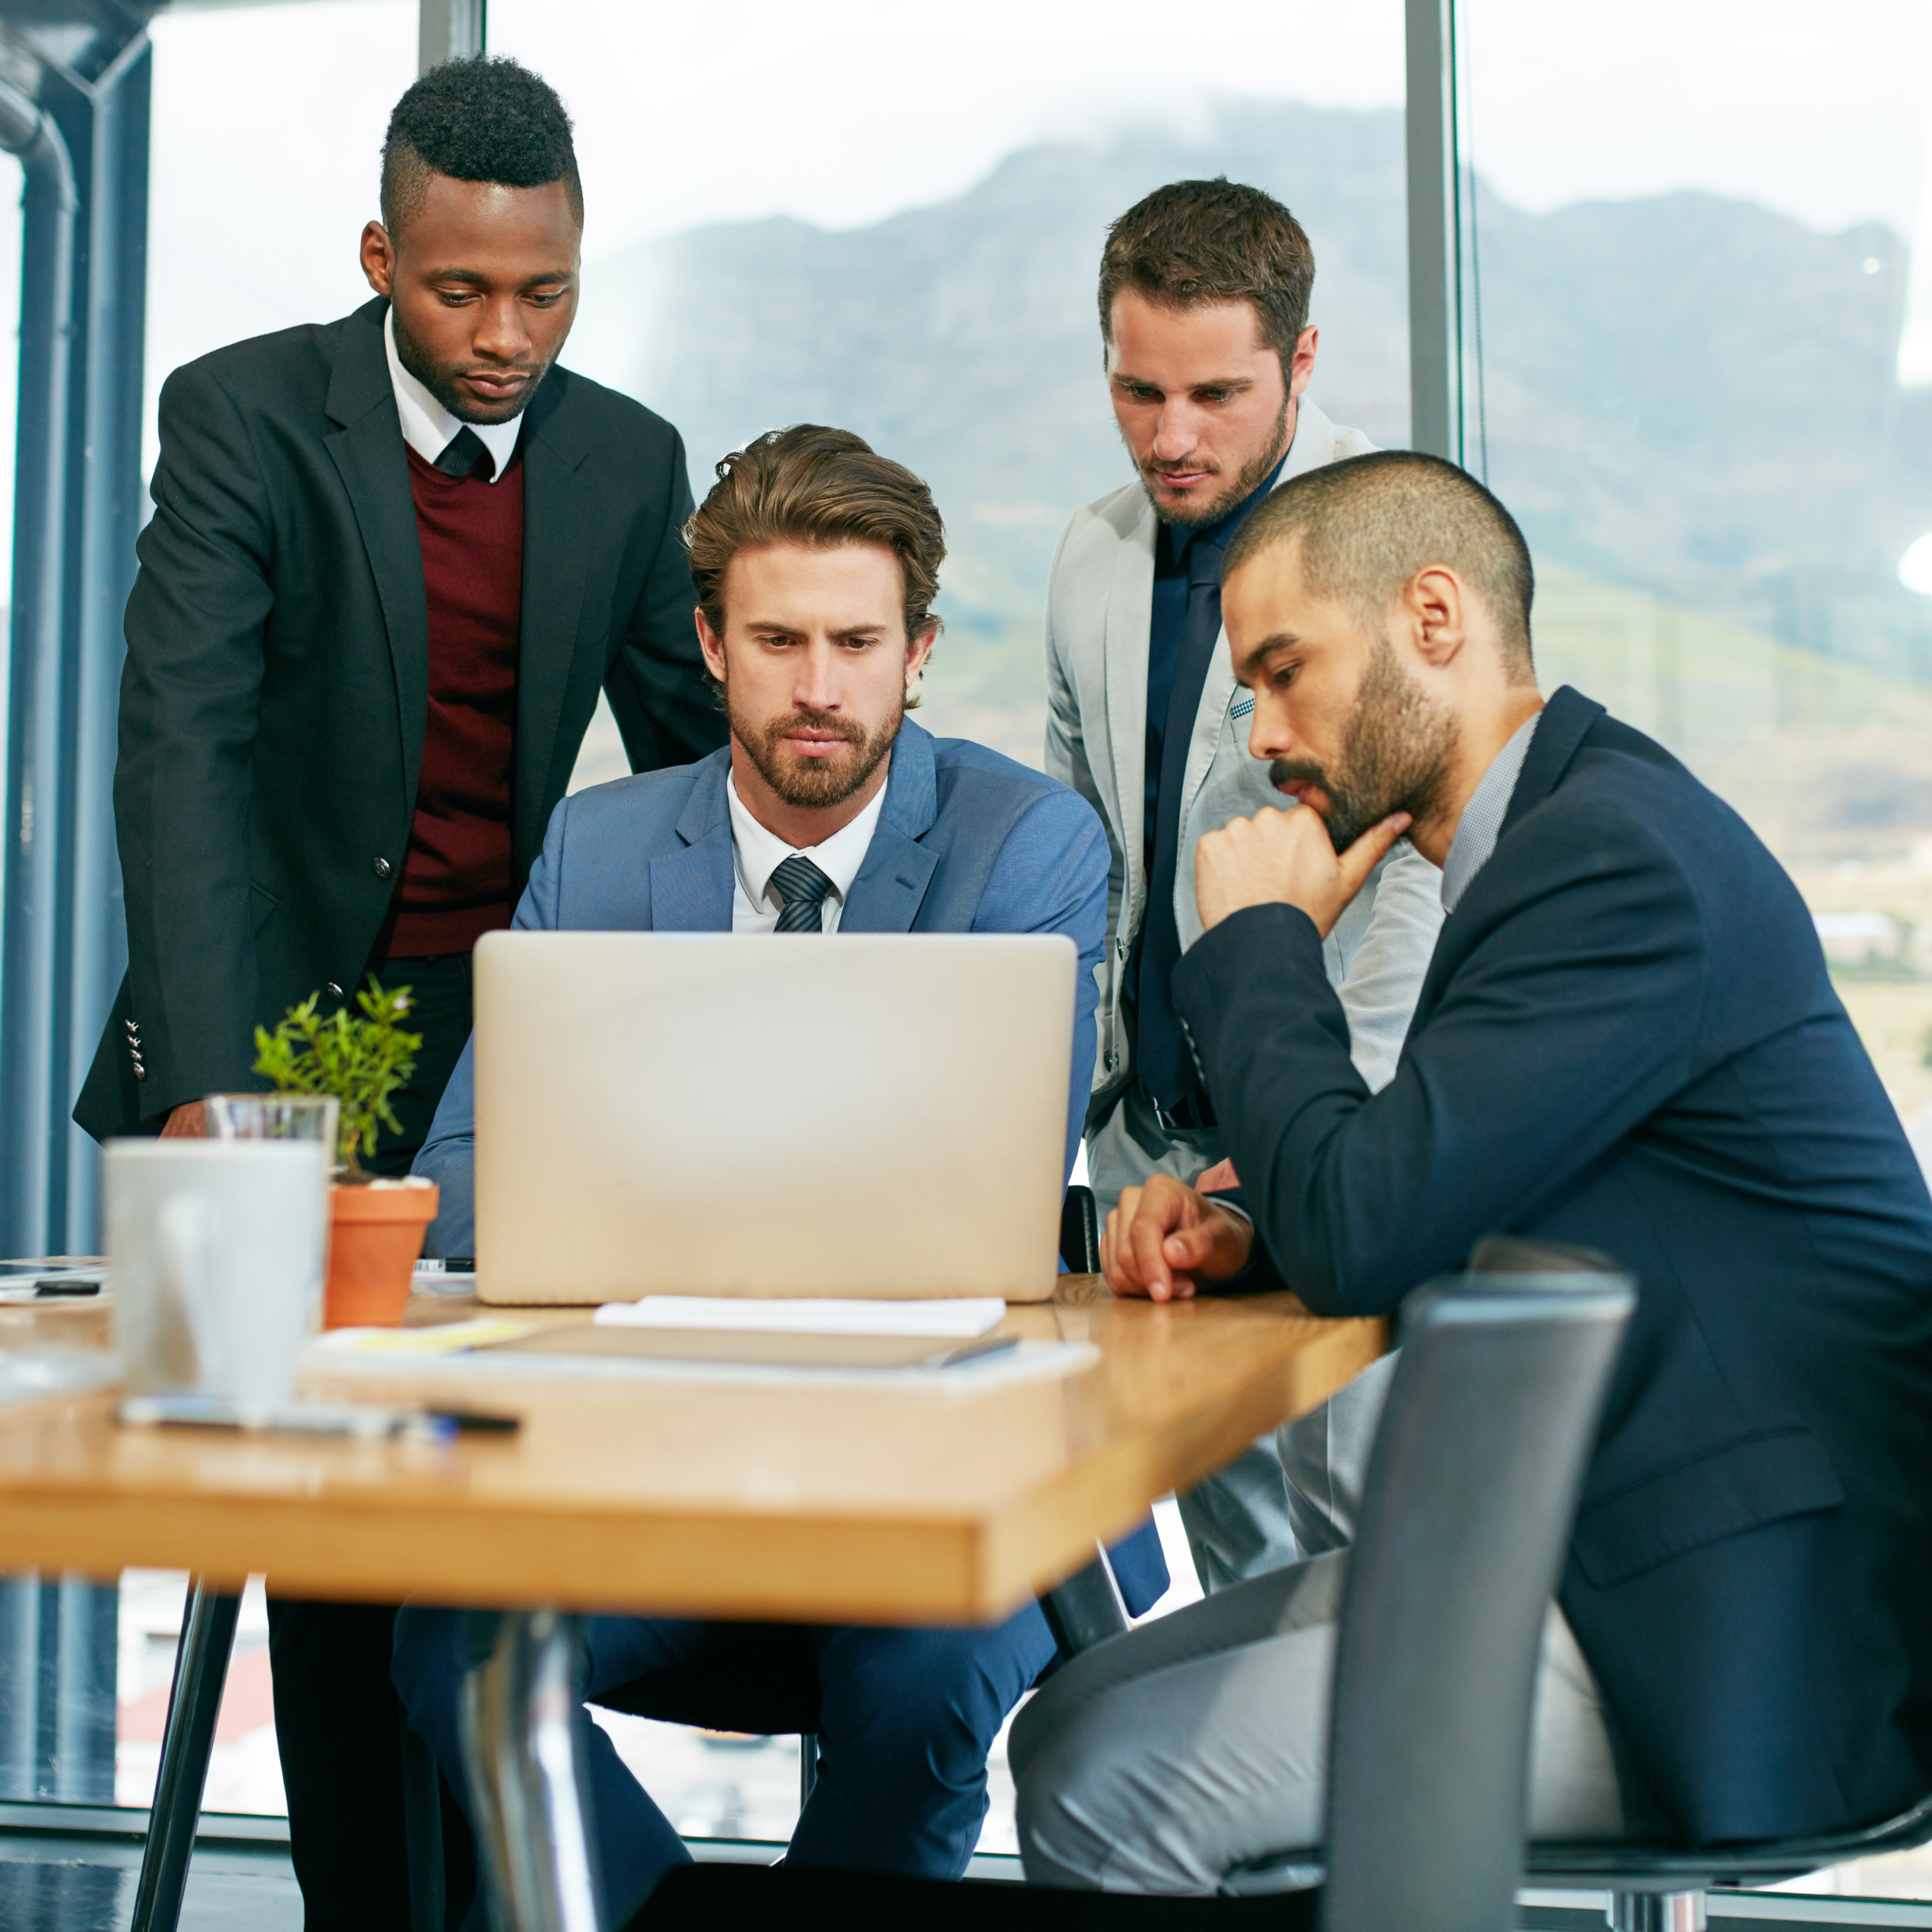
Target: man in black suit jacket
x: 287, y: 672
x: 1628, y: 1040
x: 392, y: 560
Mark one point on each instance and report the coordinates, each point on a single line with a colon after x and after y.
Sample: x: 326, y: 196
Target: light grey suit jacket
x: 1293, y: 1498
x: 1099, y: 604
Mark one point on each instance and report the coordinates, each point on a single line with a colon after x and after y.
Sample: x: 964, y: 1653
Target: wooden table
x: 840, y: 1503
x: 693, y: 1498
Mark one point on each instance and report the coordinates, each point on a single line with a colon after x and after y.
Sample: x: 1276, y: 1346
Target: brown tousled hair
x: 825, y: 487
x: 1193, y: 242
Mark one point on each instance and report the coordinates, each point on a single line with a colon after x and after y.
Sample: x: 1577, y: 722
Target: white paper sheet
x: 950, y: 1318
x: 1032, y: 1361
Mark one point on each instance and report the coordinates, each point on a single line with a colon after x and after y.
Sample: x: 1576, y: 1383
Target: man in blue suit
x: 816, y: 562
x: 1626, y: 1041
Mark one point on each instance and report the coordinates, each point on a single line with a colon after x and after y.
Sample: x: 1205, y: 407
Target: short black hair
x: 1366, y: 526
x: 480, y: 117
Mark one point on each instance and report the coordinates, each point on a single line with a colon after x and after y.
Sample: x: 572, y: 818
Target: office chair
x: 1080, y: 1231
x: 1661, y: 1888
x: 1464, y: 1518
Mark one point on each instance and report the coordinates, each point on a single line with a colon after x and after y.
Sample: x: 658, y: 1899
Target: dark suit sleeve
x: 1570, y: 1021
x: 190, y: 697
x: 655, y: 684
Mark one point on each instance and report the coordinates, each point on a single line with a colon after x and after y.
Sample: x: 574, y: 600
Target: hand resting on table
x: 1165, y: 1238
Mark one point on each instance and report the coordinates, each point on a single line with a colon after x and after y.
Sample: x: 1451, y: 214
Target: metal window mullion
x: 40, y: 616
x: 448, y: 28
x: 109, y: 521
x: 1435, y: 239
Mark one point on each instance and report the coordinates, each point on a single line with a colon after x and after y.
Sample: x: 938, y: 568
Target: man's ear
x: 711, y: 645
x: 379, y: 258
x: 918, y: 651
x: 1436, y: 609
x: 1301, y: 363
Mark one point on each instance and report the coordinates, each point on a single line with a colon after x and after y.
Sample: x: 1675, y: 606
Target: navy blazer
x: 967, y: 842
x: 1627, y: 1039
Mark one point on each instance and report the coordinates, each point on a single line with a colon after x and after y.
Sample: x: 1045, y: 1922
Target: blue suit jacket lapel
x: 891, y: 886
x: 691, y: 888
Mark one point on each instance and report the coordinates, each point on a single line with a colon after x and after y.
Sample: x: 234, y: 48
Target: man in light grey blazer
x: 1203, y: 300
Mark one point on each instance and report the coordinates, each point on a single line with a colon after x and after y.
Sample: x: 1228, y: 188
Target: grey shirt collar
x: 1481, y: 821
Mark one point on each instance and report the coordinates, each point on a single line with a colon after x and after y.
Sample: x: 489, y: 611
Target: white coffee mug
x: 215, y: 1252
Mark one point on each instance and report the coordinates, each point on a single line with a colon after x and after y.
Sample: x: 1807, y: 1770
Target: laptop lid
x: 864, y: 1114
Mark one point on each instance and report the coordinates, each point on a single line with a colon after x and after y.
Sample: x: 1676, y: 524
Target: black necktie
x: 463, y: 452
x: 803, y: 887
x: 1165, y: 1065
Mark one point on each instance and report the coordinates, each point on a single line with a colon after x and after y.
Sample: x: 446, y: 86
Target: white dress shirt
x: 428, y: 428
x: 757, y: 854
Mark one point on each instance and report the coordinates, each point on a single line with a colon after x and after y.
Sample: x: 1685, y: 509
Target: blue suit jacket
x: 1627, y: 1039
x: 967, y: 842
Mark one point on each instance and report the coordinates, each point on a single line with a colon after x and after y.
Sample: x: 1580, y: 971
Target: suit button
x: 1110, y: 1060
x: 381, y: 869
x: 333, y: 991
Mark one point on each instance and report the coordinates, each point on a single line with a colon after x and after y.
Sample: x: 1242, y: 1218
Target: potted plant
x: 375, y: 1226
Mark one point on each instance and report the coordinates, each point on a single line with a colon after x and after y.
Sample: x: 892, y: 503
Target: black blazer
x: 274, y: 700
x: 1627, y: 1039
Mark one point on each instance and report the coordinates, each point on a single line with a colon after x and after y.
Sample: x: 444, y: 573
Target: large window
x: 1697, y: 333
x: 890, y: 218
x: 859, y: 212
x: 267, y: 131
x: 1697, y: 317
x: 239, y: 248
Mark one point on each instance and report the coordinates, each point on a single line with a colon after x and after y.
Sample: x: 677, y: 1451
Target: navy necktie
x: 803, y: 887
x: 463, y: 452
x: 1165, y: 1063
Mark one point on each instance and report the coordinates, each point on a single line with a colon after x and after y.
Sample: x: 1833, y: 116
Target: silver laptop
x: 866, y: 1115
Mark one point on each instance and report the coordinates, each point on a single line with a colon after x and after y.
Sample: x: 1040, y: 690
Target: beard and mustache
x: 1254, y: 474
x: 812, y: 783
x: 1395, y: 754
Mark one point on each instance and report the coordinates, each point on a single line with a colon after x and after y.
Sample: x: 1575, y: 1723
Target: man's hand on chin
x: 1285, y: 857
x: 1163, y: 1238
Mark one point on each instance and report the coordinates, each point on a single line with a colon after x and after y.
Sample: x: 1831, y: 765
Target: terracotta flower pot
x: 376, y: 1234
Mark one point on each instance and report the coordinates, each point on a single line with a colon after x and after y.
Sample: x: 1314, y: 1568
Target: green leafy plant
x: 362, y: 1063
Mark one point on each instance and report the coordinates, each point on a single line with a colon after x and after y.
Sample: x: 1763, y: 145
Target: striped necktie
x: 803, y: 887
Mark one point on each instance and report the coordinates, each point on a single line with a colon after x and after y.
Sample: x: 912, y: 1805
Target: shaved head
x: 1364, y: 529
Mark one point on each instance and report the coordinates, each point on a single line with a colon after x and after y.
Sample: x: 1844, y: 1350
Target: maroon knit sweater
x: 456, y: 881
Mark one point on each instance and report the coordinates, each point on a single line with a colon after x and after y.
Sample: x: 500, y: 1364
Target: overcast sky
x: 843, y: 112
x: 267, y: 119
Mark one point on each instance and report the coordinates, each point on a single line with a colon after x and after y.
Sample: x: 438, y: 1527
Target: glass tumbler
x: 273, y: 1116
x: 285, y: 1117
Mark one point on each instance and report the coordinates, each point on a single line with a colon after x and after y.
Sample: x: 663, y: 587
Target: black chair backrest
x: 1080, y: 1231
x: 1465, y: 1515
